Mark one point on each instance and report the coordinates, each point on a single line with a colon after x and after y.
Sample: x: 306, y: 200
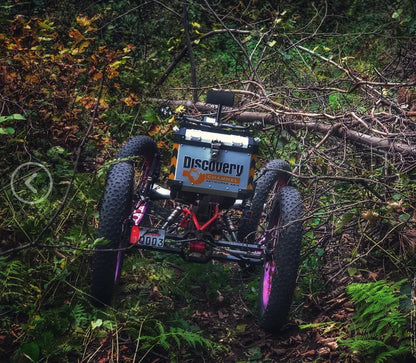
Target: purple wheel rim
x: 118, y: 266
x: 270, y: 265
x: 267, y: 281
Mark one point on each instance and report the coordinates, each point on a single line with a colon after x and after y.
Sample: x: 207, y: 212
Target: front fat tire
x: 286, y: 210
x: 116, y: 207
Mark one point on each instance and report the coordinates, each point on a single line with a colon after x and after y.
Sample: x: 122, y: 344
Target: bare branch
x: 358, y: 82
x: 299, y: 120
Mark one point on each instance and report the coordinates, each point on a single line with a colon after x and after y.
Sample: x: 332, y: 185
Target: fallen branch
x: 314, y: 122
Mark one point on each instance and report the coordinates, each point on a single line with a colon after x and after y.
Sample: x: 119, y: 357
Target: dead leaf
x: 323, y: 351
x: 332, y: 345
x: 154, y: 129
x: 309, y: 353
x: 131, y: 100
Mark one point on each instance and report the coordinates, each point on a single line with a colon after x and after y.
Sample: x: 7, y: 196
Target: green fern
x: 380, y: 328
x: 178, y: 336
x: 12, y: 282
x: 80, y: 316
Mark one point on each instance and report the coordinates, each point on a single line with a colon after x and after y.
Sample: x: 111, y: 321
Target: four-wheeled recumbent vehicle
x: 218, y: 209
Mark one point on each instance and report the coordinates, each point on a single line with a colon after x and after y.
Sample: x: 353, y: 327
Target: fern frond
x: 391, y: 354
x: 80, y: 316
x: 380, y: 327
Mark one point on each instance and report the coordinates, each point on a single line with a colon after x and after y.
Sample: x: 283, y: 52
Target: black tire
x: 271, y: 175
x: 282, y: 239
x: 115, y: 209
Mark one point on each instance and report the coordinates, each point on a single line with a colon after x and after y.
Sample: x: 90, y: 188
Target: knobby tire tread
x: 287, y: 260
x: 284, y: 282
x: 268, y: 177
x: 115, y: 208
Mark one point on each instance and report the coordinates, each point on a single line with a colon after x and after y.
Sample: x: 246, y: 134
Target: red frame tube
x: 208, y: 223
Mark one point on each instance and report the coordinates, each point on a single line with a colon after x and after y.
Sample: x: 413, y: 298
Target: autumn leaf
x: 102, y: 49
x: 83, y: 46
x: 47, y: 25
x: 162, y: 145
x: 75, y: 34
x: 154, y: 129
x: 180, y: 110
x: 85, y: 21
x: 370, y: 215
x: 128, y: 48
x: 97, y: 76
x: 167, y: 129
x: 32, y: 78
x: 116, y: 64
x: 131, y: 100
x: 103, y: 103
x: 112, y: 73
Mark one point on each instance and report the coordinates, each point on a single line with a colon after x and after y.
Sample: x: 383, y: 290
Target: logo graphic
x: 195, y: 177
x: 31, y: 183
x: 213, y: 166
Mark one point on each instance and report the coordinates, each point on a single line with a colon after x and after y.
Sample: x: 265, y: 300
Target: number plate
x: 152, y: 237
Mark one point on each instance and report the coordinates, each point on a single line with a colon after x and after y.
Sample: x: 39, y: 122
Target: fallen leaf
x: 309, y: 353
x: 154, y: 129
x: 332, y: 345
x: 279, y: 351
x: 323, y: 351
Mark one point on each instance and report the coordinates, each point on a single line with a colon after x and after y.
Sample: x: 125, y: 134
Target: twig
x: 183, y: 51
x: 185, y: 21
x: 243, y: 49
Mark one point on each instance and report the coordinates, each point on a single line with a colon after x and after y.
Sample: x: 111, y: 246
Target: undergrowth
x: 379, y: 328
x: 48, y: 315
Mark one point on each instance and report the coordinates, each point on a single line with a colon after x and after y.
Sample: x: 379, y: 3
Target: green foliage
x: 9, y: 130
x: 211, y: 278
x: 251, y: 291
x: 12, y: 280
x: 178, y: 336
x: 380, y: 329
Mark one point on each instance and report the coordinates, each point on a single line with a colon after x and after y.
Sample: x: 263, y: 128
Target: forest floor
x: 234, y: 325
x: 316, y: 324
x: 229, y: 319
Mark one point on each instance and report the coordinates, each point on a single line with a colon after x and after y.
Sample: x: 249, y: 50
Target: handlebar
x: 219, y: 98
x: 255, y: 125
x: 185, y: 121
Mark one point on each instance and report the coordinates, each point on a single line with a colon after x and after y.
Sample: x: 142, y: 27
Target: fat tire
x: 286, y: 257
x: 274, y: 172
x: 115, y: 208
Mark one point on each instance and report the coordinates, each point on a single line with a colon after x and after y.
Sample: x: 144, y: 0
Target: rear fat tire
x: 273, y: 173
x: 284, y: 257
x: 113, y: 225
